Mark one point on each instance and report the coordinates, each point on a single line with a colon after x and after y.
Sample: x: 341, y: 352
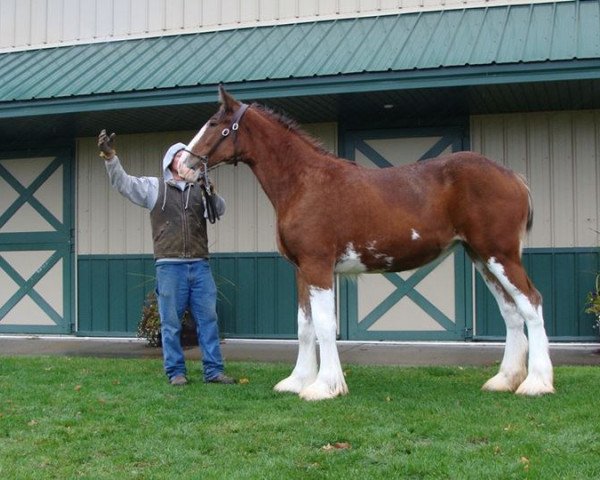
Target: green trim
x: 583, y: 339
x: 90, y: 333
x: 14, y: 241
x: 337, y: 84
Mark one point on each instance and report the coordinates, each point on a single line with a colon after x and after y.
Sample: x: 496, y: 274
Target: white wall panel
x: 39, y: 23
x: 109, y: 224
x: 558, y: 152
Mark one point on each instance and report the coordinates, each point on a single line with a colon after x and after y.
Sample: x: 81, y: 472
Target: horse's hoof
x: 290, y: 384
x: 504, y: 382
x: 322, y: 391
x: 533, y: 387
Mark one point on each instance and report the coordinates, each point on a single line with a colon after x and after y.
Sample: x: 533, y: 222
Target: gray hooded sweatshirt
x: 144, y: 191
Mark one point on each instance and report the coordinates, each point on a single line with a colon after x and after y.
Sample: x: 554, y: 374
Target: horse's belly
x: 389, y: 258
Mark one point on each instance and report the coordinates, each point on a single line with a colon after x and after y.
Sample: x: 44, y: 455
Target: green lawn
x: 68, y: 418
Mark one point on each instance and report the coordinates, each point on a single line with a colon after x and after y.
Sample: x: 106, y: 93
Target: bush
x: 593, y: 304
x: 149, y: 325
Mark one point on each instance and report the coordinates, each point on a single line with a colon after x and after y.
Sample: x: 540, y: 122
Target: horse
x: 335, y: 216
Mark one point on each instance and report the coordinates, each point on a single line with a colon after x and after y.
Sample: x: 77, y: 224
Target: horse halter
x: 211, y: 209
x: 233, y: 129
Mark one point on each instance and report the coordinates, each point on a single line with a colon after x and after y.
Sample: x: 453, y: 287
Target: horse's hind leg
x: 511, y: 275
x: 513, y: 368
x: 305, y: 371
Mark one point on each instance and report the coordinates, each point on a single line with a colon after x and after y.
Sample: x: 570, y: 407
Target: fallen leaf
x: 77, y: 388
x: 342, y: 445
x: 243, y: 381
x: 336, y: 446
x: 32, y: 423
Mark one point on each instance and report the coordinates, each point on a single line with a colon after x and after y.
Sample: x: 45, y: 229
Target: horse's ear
x: 227, y: 100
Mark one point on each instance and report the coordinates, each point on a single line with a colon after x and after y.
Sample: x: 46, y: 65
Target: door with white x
x: 429, y: 303
x: 36, y: 243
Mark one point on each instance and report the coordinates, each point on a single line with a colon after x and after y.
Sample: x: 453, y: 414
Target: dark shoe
x: 178, y: 381
x: 221, y: 378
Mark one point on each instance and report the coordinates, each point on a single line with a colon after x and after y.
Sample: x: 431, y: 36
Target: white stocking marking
x: 540, y: 377
x: 513, y: 368
x: 305, y: 371
x: 330, y: 381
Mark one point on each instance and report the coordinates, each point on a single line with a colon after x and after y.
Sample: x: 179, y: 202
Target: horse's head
x: 216, y: 142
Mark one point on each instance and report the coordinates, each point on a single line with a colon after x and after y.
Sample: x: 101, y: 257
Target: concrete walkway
x: 367, y: 353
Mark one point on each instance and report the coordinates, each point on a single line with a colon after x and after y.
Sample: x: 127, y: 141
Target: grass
x: 71, y: 418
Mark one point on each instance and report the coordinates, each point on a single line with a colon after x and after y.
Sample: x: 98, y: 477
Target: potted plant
x: 149, y: 325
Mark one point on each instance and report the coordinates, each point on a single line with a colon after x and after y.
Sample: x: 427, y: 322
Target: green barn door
x: 430, y: 303
x: 36, y: 244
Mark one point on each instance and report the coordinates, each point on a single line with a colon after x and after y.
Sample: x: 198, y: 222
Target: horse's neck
x: 284, y: 169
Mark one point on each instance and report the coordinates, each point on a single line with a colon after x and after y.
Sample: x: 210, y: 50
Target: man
x: 183, y: 276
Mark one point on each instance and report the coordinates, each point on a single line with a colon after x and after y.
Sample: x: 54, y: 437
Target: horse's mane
x: 293, y: 126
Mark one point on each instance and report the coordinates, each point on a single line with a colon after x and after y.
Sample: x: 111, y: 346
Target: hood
x: 168, y: 158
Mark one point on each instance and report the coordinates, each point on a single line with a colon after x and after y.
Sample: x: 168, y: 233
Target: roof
x: 551, y: 41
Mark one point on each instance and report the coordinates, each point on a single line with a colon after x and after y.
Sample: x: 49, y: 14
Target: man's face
x: 175, y: 162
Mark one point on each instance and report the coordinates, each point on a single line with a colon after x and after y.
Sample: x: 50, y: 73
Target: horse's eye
x: 212, y: 123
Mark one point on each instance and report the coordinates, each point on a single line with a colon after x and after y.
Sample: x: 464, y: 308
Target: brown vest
x: 177, y: 231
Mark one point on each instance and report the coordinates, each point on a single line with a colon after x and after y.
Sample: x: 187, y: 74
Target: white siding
x: 109, y: 224
x: 41, y: 23
x: 558, y: 153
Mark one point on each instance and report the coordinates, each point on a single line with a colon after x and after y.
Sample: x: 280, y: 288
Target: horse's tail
x: 530, y: 213
x: 529, y: 223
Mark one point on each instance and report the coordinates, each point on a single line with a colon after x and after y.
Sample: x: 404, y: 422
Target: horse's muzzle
x: 187, y: 173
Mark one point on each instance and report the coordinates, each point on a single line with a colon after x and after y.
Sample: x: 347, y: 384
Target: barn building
x: 380, y: 82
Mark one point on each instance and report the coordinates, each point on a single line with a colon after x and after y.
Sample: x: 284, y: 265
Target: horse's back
x: 466, y: 195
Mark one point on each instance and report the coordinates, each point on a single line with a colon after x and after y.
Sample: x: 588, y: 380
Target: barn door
x: 35, y: 244
x: 430, y: 303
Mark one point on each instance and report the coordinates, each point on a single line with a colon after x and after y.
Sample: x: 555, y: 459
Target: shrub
x: 149, y: 325
x: 593, y: 303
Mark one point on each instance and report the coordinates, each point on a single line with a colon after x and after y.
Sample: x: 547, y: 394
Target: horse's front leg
x: 330, y: 380
x: 305, y: 371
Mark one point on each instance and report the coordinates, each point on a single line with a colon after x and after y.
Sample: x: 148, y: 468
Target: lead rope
x: 209, y: 200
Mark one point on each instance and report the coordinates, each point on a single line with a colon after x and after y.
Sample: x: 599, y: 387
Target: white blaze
x: 198, y: 136
x: 188, y: 161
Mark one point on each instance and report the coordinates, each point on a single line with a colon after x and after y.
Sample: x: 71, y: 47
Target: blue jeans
x: 181, y: 286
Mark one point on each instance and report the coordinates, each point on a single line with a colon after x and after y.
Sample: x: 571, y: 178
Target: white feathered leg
x: 305, y: 371
x: 330, y: 380
x: 539, y: 378
x: 513, y: 368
